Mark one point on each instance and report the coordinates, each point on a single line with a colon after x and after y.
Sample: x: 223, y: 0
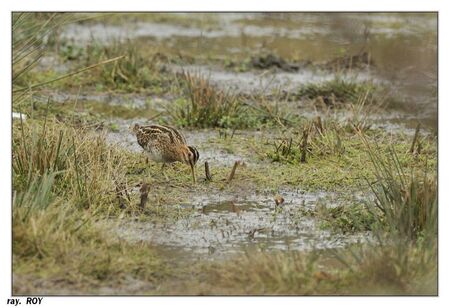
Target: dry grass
x: 85, y: 167
x: 205, y: 106
x: 361, y: 270
x: 406, y: 199
x: 65, y: 179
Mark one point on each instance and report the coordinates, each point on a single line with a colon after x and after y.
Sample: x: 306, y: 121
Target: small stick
x: 144, y: 195
x: 236, y: 164
x: 416, y: 136
x: 207, y: 172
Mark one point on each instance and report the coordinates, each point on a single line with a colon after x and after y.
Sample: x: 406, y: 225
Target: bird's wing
x: 173, y: 134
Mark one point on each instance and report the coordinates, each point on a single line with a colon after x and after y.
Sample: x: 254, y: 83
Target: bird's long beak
x: 194, y: 178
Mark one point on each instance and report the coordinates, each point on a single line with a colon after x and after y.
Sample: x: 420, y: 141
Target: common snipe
x: 166, y: 144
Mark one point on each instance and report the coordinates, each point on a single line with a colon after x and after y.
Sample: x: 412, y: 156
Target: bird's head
x: 191, y: 157
x: 134, y: 128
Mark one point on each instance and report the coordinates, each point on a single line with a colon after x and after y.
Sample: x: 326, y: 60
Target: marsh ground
x: 310, y: 104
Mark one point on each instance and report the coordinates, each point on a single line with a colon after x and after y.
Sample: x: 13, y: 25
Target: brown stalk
x: 207, y: 172
x: 144, y: 195
x: 233, y: 171
x: 416, y: 136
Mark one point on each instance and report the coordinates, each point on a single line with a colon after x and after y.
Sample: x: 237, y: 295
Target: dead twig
x: 207, y: 172
x: 251, y: 233
x: 144, y: 195
x: 416, y: 136
x: 304, y: 145
x: 233, y: 171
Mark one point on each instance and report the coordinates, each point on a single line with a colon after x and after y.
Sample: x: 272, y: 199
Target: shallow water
x: 223, y: 224
x: 293, y: 25
x: 266, y: 82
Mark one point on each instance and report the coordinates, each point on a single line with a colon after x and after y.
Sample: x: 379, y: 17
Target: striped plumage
x: 166, y: 144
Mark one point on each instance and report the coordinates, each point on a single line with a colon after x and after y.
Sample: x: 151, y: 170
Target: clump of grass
x: 344, y: 218
x: 31, y: 32
x: 86, y: 166
x: 205, y: 105
x: 316, y: 138
x: 401, y: 268
x: 337, y: 91
x: 406, y: 200
x: 266, y: 273
x: 138, y: 71
x: 56, y: 242
x: 65, y: 179
x: 378, y: 270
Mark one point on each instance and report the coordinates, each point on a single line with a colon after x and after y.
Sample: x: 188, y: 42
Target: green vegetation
x: 56, y: 242
x: 338, y: 91
x: 72, y: 185
x: 406, y: 201
x: 402, y: 258
x: 345, y: 219
x: 203, y: 106
x: 364, y: 270
x: 335, y: 154
x: 62, y: 180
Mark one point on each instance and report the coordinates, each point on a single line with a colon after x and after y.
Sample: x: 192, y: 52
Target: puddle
x: 223, y: 224
x: 83, y: 34
x: 266, y: 82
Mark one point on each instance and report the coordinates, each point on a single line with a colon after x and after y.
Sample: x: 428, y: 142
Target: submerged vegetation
x: 72, y: 183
